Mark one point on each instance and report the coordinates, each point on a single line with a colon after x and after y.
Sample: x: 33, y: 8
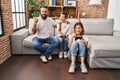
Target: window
x: 1, y: 27
x: 18, y: 13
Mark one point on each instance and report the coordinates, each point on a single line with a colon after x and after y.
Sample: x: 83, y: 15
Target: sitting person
x: 42, y: 28
x: 77, y: 48
x: 63, y: 29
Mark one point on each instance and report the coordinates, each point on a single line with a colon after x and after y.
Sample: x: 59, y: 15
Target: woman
x: 77, y: 48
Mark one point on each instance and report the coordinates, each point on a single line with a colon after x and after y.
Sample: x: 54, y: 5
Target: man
x: 43, y: 30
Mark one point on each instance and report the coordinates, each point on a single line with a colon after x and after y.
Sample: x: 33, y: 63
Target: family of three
x: 75, y: 41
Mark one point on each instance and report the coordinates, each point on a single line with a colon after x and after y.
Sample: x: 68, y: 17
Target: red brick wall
x: 5, y: 50
x: 99, y: 11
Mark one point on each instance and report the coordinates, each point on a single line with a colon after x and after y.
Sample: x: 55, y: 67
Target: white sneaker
x: 60, y: 54
x: 65, y: 54
x: 83, y: 68
x: 43, y: 58
x: 72, y: 69
x: 50, y: 57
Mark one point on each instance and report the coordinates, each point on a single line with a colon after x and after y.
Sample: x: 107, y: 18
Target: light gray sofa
x: 104, y: 42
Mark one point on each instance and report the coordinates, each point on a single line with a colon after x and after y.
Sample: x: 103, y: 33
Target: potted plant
x: 71, y: 15
x: 56, y: 15
x: 34, y: 7
x: 69, y: 4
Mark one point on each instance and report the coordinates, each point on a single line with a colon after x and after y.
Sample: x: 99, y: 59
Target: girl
x: 77, y: 48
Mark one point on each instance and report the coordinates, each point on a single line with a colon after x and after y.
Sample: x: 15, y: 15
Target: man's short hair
x: 44, y: 7
x: 65, y: 13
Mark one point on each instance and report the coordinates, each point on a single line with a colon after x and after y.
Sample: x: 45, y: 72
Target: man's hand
x: 34, y: 25
x: 35, y: 20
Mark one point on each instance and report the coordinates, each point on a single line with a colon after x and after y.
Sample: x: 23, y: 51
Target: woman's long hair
x: 80, y: 23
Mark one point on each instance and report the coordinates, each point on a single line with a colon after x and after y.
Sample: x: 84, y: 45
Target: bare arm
x: 71, y: 38
x: 59, y: 26
x: 34, y: 25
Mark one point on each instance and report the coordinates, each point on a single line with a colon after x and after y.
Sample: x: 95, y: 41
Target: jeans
x: 46, y: 51
x: 77, y: 49
x: 63, y: 44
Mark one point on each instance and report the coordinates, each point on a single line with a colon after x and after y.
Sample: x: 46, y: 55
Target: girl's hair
x: 80, y: 23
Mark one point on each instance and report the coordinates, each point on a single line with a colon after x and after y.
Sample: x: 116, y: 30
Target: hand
x: 60, y: 23
x: 35, y: 20
x: 73, y: 35
x: 82, y: 40
x: 62, y: 36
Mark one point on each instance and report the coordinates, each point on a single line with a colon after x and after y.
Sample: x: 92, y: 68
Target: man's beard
x: 44, y: 16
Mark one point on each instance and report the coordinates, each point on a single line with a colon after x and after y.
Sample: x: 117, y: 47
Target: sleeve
x: 86, y: 38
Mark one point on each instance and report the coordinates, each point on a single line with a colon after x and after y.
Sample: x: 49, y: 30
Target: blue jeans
x: 46, y: 51
x: 77, y: 49
x: 63, y: 43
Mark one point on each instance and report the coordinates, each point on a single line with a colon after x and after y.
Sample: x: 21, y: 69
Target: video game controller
x: 78, y: 37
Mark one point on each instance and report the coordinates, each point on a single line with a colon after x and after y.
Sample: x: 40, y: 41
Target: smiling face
x: 78, y: 28
x: 62, y: 17
x: 44, y: 13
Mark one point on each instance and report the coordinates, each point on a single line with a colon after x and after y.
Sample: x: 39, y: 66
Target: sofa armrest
x: 17, y: 39
x: 116, y: 33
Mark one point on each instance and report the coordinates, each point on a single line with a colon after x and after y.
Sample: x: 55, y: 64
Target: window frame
x: 2, y: 31
x: 18, y: 14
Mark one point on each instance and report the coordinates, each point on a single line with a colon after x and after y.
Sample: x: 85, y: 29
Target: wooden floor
x: 31, y: 68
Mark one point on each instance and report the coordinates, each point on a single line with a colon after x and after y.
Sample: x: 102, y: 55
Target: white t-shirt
x: 45, y: 28
x: 65, y: 28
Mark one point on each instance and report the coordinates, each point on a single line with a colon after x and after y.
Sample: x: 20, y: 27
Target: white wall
x: 114, y: 12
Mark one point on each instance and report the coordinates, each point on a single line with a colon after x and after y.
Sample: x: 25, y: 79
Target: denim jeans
x: 63, y: 44
x: 46, y: 51
x: 77, y: 49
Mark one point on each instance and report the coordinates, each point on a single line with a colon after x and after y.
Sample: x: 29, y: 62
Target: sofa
x: 104, y: 42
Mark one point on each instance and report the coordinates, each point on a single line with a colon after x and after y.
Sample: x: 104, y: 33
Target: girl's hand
x: 73, y: 35
x: 82, y: 40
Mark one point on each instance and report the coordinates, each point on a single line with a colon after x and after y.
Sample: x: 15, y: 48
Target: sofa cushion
x: 27, y: 42
x: 116, y: 33
x: 104, y: 46
x: 30, y: 25
x: 98, y: 26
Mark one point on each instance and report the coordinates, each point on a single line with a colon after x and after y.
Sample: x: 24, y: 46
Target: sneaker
x: 60, y: 54
x: 43, y: 58
x: 83, y: 68
x: 65, y: 54
x: 50, y: 57
x: 72, y: 69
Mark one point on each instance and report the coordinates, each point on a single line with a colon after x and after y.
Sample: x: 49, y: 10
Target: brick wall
x: 5, y: 50
x: 93, y: 11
